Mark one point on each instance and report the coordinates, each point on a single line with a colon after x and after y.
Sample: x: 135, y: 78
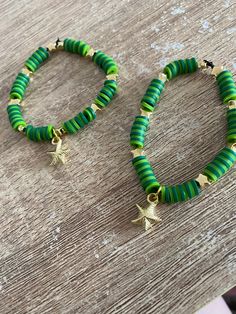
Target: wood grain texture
x: 66, y: 241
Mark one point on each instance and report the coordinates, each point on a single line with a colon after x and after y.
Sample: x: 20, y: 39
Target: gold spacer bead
x: 217, y: 70
x: 145, y: 113
x: 112, y: 77
x: 27, y: 72
x: 90, y: 53
x: 137, y: 152
x: 162, y: 77
x: 51, y: 47
x: 14, y: 102
x: 232, y: 104
x: 232, y: 146
x: 202, y: 180
x: 95, y: 107
x: 21, y: 128
x: 202, y: 64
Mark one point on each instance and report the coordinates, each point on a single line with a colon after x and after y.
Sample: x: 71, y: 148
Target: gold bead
x: 51, y: 47
x: 14, y: 102
x: 21, y: 128
x: 232, y: 146
x: 203, y: 180
x: 26, y: 72
x: 202, y: 64
x: 95, y: 107
x: 217, y: 70
x: 162, y: 77
x: 137, y: 152
x: 90, y: 53
x: 232, y: 104
x: 145, y: 113
x: 112, y: 77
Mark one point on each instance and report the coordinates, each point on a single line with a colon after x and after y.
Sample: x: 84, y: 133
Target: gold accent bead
x: 232, y: 104
x: 95, y: 107
x: 21, y: 128
x: 14, y: 102
x: 202, y: 64
x: 137, y: 152
x: 203, y: 180
x: 26, y: 72
x: 90, y: 53
x: 51, y: 47
x: 162, y: 77
x: 112, y: 77
x: 232, y: 146
x: 145, y: 113
x: 217, y: 70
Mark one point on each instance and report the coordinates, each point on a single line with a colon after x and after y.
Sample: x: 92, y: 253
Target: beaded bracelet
x: 49, y: 132
x: 213, y: 170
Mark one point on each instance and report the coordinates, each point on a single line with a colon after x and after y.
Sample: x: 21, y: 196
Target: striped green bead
x: 146, y: 175
x: 152, y: 95
x: 231, y: 119
x: 138, y: 131
x: 106, y: 94
x: 108, y: 65
x: 180, y: 192
x: 42, y: 133
x: 19, y: 86
x: 36, y: 59
x: 226, y: 85
x: 181, y: 66
x: 90, y: 114
x: 76, y: 46
x: 15, y: 116
x: 78, y: 122
x: 223, y: 161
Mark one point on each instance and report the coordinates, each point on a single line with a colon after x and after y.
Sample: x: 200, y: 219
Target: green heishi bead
x: 152, y: 95
x: 75, y: 124
x: 180, y: 192
x: 138, y: 131
x: 177, y: 67
x: 15, y: 116
x: 76, y: 46
x: 19, y: 86
x: 105, y: 62
x: 227, y: 86
x: 42, y: 133
x: 223, y: 161
x: 146, y: 175
x: 36, y: 59
x: 106, y: 94
x: 231, y: 132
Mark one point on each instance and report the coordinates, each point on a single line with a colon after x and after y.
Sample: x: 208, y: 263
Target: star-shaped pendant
x: 60, y: 155
x: 203, y: 180
x: 147, y: 216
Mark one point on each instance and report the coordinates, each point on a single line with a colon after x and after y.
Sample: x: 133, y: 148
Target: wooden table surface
x: 66, y: 241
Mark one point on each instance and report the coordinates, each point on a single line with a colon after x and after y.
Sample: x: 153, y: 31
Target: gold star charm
x: 137, y: 152
x: 60, y: 155
x: 203, y: 180
x: 147, y: 216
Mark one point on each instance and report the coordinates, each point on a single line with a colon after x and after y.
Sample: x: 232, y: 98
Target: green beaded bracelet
x: 72, y: 126
x: 213, y: 171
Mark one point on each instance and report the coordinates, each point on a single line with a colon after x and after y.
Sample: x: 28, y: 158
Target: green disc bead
x: 180, y: 192
x: 231, y: 119
x: 223, y: 161
x: 106, y: 94
x: 146, y: 175
x: 15, y: 116
x: 108, y: 65
x: 152, y: 95
x: 36, y: 59
x: 226, y: 85
x: 181, y: 66
x: 19, y: 86
x: 42, y: 133
x: 73, y: 125
x: 138, y: 131
x: 90, y: 114
x: 76, y: 46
